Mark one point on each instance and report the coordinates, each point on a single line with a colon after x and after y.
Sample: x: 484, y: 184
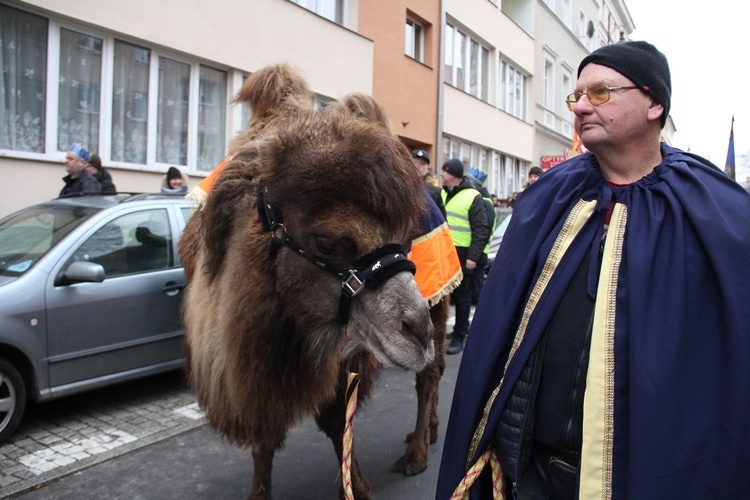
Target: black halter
x: 370, y: 270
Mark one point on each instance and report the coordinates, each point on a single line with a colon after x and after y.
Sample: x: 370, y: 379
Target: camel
x: 297, y: 273
x: 414, y: 459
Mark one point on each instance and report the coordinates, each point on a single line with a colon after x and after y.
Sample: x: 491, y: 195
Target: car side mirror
x: 80, y: 272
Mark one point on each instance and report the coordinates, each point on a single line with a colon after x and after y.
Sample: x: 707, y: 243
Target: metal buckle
x: 279, y: 234
x: 352, y: 285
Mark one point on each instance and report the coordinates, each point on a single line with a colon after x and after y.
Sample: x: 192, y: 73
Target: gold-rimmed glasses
x: 596, y: 96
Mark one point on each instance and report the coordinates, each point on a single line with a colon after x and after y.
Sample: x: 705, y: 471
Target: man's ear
x: 655, y: 110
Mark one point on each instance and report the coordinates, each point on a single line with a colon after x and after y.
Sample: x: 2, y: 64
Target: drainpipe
x: 441, y: 91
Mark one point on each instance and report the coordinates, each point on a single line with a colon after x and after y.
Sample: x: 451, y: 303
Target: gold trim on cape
x: 599, y: 399
x: 578, y: 216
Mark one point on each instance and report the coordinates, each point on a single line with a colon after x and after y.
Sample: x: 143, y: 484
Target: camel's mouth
x: 405, y: 349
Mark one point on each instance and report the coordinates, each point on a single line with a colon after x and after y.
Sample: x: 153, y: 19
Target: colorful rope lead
x: 346, y: 453
x: 498, y: 489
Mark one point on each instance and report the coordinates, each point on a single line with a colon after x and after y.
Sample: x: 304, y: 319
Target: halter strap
x: 369, y: 271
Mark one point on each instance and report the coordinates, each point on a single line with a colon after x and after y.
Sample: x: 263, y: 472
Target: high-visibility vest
x: 457, y: 215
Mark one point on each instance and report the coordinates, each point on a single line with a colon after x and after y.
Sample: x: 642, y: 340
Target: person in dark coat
x: 101, y: 174
x: 78, y: 181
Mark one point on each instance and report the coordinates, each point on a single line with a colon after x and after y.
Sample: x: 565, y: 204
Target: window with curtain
x: 23, y: 81
x: 79, y: 90
x: 130, y: 103
x: 172, y: 112
x: 212, y: 117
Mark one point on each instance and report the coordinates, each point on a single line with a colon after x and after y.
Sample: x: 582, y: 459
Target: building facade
x: 149, y: 85
x: 488, y: 69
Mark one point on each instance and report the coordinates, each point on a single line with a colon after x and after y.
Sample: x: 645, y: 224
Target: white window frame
x: 414, y: 38
x: 470, y: 56
x: 512, y: 89
x: 567, y: 13
x: 51, y: 99
x: 333, y: 10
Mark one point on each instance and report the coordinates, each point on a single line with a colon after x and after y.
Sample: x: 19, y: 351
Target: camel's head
x: 343, y: 187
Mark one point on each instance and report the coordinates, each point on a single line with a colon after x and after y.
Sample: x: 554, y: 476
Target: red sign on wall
x: 548, y: 162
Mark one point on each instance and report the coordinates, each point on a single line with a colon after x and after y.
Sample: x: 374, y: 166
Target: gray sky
x: 704, y: 45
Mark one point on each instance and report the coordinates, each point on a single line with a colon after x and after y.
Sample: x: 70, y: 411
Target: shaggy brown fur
x: 265, y: 346
x: 414, y: 460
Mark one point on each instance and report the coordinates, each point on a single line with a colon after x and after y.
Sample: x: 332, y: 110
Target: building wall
x: 406, y: 87
x: 238, y: 37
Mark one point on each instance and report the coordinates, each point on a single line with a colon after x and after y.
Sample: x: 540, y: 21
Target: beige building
x: 147, y: 85
x: 486, y: 102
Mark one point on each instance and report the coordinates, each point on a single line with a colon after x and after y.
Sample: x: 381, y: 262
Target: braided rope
x: 346, y: 453
x: 498, y: 487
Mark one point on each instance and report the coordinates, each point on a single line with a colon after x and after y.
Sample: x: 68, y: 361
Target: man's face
x: 617, y: 122
x: 533, y: 178
x: 74, y: 163
x: 422, y: 165
x: 448, y: 179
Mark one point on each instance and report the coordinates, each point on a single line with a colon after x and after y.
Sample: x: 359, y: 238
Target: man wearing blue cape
x: 609, y: 356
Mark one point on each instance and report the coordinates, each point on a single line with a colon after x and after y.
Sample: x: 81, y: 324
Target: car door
x: 130, y: 322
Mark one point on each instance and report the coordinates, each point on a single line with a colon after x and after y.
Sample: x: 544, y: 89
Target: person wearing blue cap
x: 78, y: 181
x: 609, y: 352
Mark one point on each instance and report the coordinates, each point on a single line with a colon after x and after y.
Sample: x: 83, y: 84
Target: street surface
x: 148, y: 440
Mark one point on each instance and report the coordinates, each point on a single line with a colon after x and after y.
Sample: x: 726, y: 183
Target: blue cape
x: 681, y: 336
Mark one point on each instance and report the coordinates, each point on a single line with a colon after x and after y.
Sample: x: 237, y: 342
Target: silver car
x: 91, y: 289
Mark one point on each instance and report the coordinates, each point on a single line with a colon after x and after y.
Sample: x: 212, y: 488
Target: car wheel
x: 12, y: 398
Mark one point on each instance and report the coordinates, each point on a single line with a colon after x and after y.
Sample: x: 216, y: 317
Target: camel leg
x: 414, y: 459
x: 332, y: 421
x: 262, y: 466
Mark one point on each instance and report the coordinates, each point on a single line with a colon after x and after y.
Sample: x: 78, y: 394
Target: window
x: 548, y: 97
x: 512, y: 85
x: 467, y: 63
x: 172, y: 114
x: 134, y: 243
x: 414, y: 40
x: 23, y: 80
x: 567, y: 18
x: 131, y: 104
x: 212, y: 117
x: 79, y: 90
x: 333, y: 10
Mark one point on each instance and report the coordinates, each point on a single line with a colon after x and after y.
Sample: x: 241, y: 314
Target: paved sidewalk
x: 61, y: 437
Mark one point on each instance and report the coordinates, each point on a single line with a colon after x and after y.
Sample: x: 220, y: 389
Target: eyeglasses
x: 596, y: 96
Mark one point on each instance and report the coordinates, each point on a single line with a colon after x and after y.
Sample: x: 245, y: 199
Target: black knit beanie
x: 455, y: 167
x: 640, y: 62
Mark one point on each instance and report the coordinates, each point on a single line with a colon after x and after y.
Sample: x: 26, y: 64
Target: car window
x: 27, y: 235
x: 133, y: 243
x: 187, y: 212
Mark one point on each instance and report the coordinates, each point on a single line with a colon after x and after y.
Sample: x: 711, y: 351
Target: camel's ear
x: 266, y: 90
x: 234, y: 184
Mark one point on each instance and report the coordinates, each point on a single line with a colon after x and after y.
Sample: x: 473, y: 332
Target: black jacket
x: 84, y: 182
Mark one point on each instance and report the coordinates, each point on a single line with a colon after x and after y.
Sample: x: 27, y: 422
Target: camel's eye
x: 325, y: 248
x: 334, y: 249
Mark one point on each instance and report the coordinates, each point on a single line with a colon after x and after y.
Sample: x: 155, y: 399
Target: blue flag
x: 729, y: 168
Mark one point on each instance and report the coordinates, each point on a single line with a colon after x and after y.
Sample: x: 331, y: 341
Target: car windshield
x: 27, y: 235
